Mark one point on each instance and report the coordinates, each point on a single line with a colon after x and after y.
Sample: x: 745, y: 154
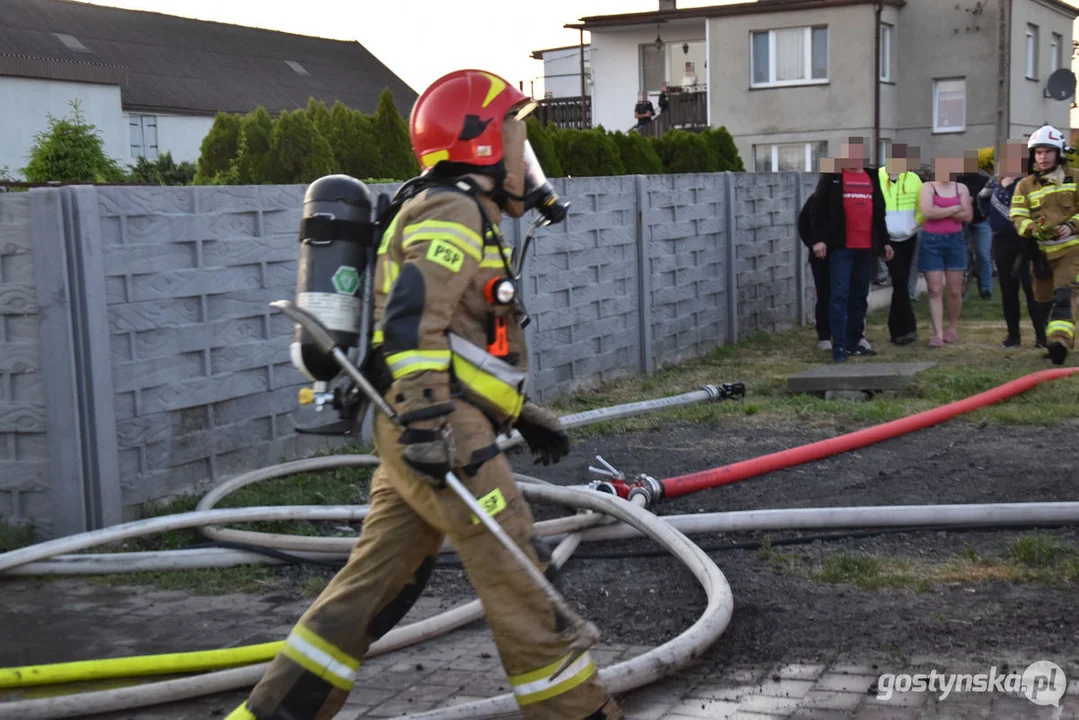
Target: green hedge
x: 304, y: 144
x: 579, y: 153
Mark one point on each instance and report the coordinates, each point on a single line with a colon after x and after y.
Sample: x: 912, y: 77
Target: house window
x: 1056, y: 53
x: 885, y: 52
x: 1032, y: 52
x: 788, y: 157
x: 791, y: 56
x: 653, y: 68
x: 143, y: 130
x: 949, y: 105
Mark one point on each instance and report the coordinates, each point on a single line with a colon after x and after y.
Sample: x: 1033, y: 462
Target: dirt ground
x: 782, y: 615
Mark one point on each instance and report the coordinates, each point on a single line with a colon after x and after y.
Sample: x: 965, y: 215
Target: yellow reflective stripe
x: 460, y: 236
x: 1052, y: 189
x: 412, y: 361
x: 497, y: 392
x: 1064, y: 326
x: 376, y: 337
x: 387, y: 236
x: 1019, y: 212
x: 492, y: 259
x: 389, y: 276
x: 1049, y: 249
x: 321, y: 658
x: 538, y: 685
x: 241, y: 713
x: 1023, y: 226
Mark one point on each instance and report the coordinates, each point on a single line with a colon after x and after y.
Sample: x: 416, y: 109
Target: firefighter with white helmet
x: 1045, y: 210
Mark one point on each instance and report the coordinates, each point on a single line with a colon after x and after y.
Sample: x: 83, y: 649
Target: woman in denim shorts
x: 942, y: 252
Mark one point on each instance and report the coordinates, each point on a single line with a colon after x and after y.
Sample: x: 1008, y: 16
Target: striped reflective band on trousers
x: 241, y: 713
x: 321, y: 658
x: 413, y: 361
x: 1060, y: 326
x: 538, y: 685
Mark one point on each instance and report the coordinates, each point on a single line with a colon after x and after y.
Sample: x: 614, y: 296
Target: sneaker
x: 1011, y: 343
x: 824, y: 345
x: 839, y: 356
x: 864, y: 344
x: 1041, y: 344
x: 863, y: 352
x: 987, y: 294
x: 1058, y: 352
x: 906, y: 339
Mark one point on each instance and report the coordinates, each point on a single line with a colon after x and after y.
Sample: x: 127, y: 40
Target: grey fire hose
x: 639, y: 671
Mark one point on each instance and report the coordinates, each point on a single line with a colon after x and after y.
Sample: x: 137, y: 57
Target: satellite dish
x: 1061, y: 85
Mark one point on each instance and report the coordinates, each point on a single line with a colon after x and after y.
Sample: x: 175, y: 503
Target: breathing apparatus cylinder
x: 336, y: 246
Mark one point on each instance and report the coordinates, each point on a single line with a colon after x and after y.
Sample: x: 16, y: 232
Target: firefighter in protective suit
x: 450, y: 358
x: 1045, y: 209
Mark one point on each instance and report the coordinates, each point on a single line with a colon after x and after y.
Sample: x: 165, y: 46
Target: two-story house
x: 792, y: 79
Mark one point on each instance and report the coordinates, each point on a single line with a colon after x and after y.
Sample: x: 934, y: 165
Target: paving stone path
x: 69, y: 619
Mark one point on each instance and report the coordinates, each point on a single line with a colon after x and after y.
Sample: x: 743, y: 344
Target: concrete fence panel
x: 139, y: 357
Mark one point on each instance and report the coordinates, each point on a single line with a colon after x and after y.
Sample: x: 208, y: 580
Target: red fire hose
x: 694, y: 482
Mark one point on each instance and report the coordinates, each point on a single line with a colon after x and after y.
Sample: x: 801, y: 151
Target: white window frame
x: 809, y: 79
x: 774, y: 155
x: 1032, y: 52
x: 937, y: 129
x: 1056, y: 56
x: 140, y: 123
x: 886, y: 32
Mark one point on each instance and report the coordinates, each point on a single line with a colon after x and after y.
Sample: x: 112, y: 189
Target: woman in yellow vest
x: 901, y: 188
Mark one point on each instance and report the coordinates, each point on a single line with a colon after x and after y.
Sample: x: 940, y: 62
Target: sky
x: 420, y: 40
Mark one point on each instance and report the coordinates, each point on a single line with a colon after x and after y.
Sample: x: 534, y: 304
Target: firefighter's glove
x: 1043, y: 233
x: 429, y: 448
x: 543, y: 432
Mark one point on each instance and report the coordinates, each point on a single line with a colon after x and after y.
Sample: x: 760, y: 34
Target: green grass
x: 1039, y: 559
x: 764, y: 362
x: 14, y: 536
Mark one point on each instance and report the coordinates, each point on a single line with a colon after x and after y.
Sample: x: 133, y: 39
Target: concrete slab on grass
x: 856, y: 376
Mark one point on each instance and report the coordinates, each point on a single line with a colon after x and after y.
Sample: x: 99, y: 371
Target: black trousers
x: 901, y: 319
x: 822, y: 283
x: 1006, y: 248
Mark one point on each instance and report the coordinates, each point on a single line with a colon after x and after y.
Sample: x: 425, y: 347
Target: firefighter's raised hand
x: 543, y: 432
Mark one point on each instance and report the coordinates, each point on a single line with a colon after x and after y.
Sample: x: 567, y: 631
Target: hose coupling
x: 725, y: 391
x: 602, y: 486
x: 648, y: 489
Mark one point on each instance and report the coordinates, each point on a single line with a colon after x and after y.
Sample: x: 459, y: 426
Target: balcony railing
x: 564, y: 112
x: 685, y: 111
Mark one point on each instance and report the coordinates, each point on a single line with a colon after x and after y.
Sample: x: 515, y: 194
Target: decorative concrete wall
x: 139, y: 357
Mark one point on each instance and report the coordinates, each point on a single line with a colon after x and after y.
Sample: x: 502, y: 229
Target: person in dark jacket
x: 849, y: 228
x: 821, y: 282
x: 980, y: 231
x: 1009, y: 250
